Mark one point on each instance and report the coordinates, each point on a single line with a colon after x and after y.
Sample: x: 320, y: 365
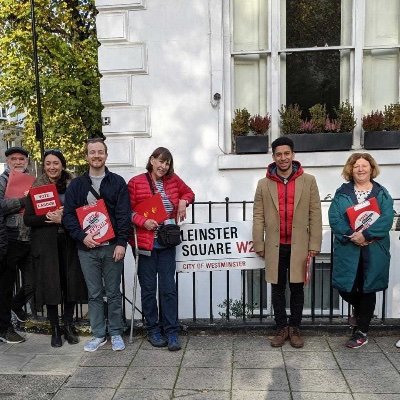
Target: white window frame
x: 275, y: 79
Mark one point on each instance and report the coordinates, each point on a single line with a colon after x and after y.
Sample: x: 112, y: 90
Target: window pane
x: 315, y: 77
x: 251, y: 83
x: 318, y: 23
x: 380, y: 79
x: 250, y: 25
x: 382, y: 22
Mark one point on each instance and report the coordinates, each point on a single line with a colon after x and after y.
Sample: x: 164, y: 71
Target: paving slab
x: 330, y: 381
x: 210, y: 342
x: 260, y: 379
x: 201, y: 395
x: 311, y: 343
x: 30, y: 386
x: 394, y: 359
x: 84, y: 394
x: 207, y: 359
x: 260, y: 395
x: 142, y: 394
x: 358, y: 360
x: 157, y: 358
x: 321, y: 395
x: 150, y: 378
x: 97, y: 377
x: 251, y: 343
x: 108, y: 358
x: 337, y: 343
x: 204, y: 379
x: 387, y: 343
x: 52, y: 364
x: 258, y: 359
x: 373, y: 381
x: 13, y: 363
x: 309, y: 360
x: 365, y: 396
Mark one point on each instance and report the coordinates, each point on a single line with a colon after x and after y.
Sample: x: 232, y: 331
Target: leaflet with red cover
x: 363, y: 215
x: 18, y: 184
x: 45, y: 198
x: 95, y: 218
x: 307, y: 270
x: 152, y: 208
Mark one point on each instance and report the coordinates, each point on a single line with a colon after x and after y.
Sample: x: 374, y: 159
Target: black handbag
x: 167, y: 235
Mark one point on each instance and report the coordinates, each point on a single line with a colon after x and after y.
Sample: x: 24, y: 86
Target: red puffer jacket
x: 285, y: 199
x: 139, y: 190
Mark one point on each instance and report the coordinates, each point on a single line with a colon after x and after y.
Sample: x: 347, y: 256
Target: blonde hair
x: 347, y: 172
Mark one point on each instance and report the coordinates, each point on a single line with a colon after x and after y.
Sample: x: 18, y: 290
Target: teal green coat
x: 346, y: 255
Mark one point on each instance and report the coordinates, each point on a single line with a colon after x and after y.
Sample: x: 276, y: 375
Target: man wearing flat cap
x: 18, y: 252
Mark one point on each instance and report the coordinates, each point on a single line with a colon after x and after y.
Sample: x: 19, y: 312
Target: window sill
x: 316, y: 159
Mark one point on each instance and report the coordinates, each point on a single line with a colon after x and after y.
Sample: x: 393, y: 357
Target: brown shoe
x: 280, y: 338
x: 295, y: 338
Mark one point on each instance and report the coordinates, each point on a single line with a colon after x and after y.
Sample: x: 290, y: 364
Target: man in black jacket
x: 100, y: 261
x: 18, y: 255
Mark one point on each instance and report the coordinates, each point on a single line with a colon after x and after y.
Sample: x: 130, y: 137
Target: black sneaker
x: 20, y: 314
x: 357, y: 340
x: 10, y: 336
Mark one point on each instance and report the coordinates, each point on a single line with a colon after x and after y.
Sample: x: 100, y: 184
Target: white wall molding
x: 120, y: 4
x: 112, y: 26
x: 120, y: 152
x: 116, y: 90
x: 127, y: 120
x: 123, y: 58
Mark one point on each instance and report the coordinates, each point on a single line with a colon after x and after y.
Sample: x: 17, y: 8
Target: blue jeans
x: 98, y: 265
x: 161, y: 262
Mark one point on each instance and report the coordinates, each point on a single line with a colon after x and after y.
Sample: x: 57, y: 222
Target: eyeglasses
x: 95, y: 140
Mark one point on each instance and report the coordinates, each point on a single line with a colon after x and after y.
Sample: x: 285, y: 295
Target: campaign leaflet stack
x: 95, y: 218
x: 363, y: 215
x: 45, y: 198
x: 18, y: 184
x: 152, y: 208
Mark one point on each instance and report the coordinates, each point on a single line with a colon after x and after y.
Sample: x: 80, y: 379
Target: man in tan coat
x: 287, y: 228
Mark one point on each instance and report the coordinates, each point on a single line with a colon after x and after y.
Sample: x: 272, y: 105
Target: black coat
x: 53, y: 279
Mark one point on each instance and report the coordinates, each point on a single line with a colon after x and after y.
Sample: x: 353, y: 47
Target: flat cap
x: 16, y: 149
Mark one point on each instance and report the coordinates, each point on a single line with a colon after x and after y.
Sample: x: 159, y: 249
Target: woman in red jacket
x: 154, y: 259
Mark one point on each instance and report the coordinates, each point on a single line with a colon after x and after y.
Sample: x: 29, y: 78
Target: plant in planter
x: 382, y: 129
x: 290, y: 118
x: 345, y: 114
x: 259, y: 125
x: 255, y: 141
x: 319, y: 133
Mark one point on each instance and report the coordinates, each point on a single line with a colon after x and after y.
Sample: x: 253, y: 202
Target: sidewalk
x: 209, y: 367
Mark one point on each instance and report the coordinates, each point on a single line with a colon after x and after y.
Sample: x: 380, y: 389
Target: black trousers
x: 18, y: 257
x: 363, y: 303
x: 278, y: 293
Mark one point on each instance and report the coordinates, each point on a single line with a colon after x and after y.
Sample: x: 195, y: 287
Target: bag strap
x: 95, y: 193
x: 150, y: 183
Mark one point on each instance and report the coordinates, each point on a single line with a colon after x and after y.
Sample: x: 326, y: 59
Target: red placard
x: 45, y: 198
x: 95, y: 218
x: 363, y: 215
x: 18, y: 184
x: 152, y: 208
x: 307, y: 270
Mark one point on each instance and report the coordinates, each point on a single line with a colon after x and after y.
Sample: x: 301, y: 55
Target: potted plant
x: 319, y: 133
x: 250, y: 132
x: 382, y: 129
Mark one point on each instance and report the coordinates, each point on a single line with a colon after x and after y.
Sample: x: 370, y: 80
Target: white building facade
x: 174, y: 71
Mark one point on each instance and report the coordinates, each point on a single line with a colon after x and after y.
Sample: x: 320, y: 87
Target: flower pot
x: 257, y: 144
x: 381, y: 140
x: 304, y: 142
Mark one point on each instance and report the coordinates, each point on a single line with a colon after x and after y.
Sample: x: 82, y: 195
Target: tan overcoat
x: 306, y: 229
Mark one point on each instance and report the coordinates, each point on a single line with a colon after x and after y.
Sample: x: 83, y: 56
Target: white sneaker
x: 94, y: 343
x: 398, y: 344
x: 117, y: 343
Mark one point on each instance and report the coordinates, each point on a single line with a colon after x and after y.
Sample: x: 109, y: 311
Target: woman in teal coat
x: 361, y: 258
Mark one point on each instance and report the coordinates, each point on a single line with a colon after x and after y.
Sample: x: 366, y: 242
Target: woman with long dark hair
x: 58, y: 276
